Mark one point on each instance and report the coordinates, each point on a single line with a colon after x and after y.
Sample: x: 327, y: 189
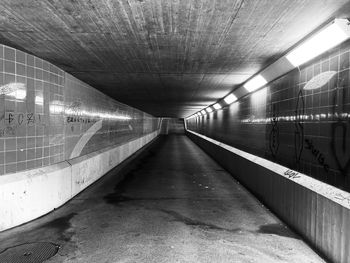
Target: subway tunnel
x: 174, y: 131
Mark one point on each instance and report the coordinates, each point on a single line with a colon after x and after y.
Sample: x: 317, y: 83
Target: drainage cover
x: 29, y: 253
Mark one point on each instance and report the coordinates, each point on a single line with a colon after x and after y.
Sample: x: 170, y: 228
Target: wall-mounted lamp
x: 19, y: 94
x: 217, y: 106
x: 230, y: 98
x: 203, y: 112
x: 255, y: 83
x: 332, y: 35
x: 209, y: 109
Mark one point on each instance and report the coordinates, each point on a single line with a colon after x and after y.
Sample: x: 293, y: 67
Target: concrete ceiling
x: 166, y: 57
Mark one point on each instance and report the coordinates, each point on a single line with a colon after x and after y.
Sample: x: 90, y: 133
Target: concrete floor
x: 176, y: 205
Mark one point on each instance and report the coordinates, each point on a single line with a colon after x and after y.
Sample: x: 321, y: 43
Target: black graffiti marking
x: 75, y: 119
x: 10, y: 118
x: 340, y: 154
x: 299, y: 128
x: 30, y: 118
x: 292, y: 174
x: 274, y: 133
x: 20, y: 118
x: 317, y: 154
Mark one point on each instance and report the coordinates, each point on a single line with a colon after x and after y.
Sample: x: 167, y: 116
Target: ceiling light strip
x: 329, y: 37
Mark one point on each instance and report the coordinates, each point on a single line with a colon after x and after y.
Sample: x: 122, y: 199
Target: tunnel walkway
x: 176, y: 205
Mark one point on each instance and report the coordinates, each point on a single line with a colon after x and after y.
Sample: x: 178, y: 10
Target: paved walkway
x: 177, y: 205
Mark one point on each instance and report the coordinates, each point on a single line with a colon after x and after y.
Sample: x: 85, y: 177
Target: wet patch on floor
x: 62, y: 225
x: 116, y: 199
x: 277, y: 229
x: 129, y: 179
x: 196, y: 223
x: 104, y: 225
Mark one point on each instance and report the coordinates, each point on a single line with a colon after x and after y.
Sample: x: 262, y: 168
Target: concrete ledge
x: 317, y: 211
x: 30, y: 194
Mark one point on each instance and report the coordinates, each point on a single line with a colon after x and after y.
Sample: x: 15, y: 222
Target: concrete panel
x: 27, y: 195
x: 30, y: 194
x: 317, y: 211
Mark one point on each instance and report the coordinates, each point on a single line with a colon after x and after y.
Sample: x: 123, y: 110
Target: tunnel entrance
x: 172, y: 126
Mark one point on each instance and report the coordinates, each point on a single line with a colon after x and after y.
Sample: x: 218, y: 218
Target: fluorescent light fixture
x: 230, y: 98
x: 203, y: 112
x: 329, y: 37
x: 39, y: 100
x: 209, y: 109
x: 255, y: 83
x: 11, y: 87
x: 217, y: 106
x: 18, y: 94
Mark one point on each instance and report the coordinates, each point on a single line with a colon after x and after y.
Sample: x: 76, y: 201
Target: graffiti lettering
x: 299, y: 128
x: 317, y: 154
x: 292, y: 174
x: 340, y: 144
x: 19, y: 119
x: 274, y: 134
x: 77, y: 119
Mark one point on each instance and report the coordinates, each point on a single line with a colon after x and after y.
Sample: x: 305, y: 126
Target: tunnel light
x: 39, y: 100
x: 203, y: 112
x: 217, y: 106
x: 329, y: 37
x: 18, y: 94
x: 255, y: 83
x: 209, y: 109
x: 230, y: 98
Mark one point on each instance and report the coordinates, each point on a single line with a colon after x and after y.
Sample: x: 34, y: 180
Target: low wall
x: 317, y: 211
x: 27, y: 195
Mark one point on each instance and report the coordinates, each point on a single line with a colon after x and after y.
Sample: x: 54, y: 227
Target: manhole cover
x: 29, y: 253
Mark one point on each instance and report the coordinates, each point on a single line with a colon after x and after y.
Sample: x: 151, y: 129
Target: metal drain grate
x: 29, y: 253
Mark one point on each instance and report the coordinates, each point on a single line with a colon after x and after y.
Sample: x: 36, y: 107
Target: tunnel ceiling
x: 166, y: 57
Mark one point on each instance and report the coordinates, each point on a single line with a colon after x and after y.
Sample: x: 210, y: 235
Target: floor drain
x: 29, y: 253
